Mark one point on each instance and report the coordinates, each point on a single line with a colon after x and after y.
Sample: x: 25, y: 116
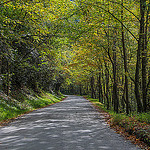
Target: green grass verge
x: 141, y: 117
x: 11, y: 108
x: 134, y: 124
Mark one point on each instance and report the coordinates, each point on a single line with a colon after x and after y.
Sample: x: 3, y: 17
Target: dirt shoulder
x: 137, y: 132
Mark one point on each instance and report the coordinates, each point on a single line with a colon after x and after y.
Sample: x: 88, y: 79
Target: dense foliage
x: 111, y: 54
x: 29, y: 46
x: 98, y: 48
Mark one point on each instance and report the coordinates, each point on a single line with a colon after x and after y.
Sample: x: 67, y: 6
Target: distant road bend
x: 72, y: 124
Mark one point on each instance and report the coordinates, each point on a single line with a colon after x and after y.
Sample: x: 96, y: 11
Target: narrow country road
x: 72, y: 124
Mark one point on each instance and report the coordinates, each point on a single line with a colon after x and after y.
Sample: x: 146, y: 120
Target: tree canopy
x: 98, y: 48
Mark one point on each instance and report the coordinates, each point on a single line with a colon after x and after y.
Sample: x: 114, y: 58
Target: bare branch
x: 118, y: 21
x: 126, y: 9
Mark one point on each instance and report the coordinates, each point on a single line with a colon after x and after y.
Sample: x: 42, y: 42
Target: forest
x: 99, y: 48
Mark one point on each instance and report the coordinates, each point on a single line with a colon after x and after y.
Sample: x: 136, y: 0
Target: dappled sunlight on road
x: 72, y: 124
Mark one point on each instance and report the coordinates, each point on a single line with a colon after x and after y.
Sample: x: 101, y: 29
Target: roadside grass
x: 143, y: 117
x: 137, y: 125
x: 22, y: 102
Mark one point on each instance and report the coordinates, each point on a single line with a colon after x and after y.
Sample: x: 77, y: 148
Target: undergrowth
x: 23, y: 101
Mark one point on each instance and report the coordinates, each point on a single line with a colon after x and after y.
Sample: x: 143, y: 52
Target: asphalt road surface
x: 73, y: 124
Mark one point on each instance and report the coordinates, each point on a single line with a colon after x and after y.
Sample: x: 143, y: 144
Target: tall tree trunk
x: 140, y: 50
x: 80, y: 89
x: 148, y: 88
x: 103, y: 87
x: 107, y: 85
x: 125, y: 65
x: 100, y: 88
x: 1, y: 73
x: 87, y: 88
x: 115, y: 94
x: 8, y: 84
x: 144, y: 53
x: 137, y: 78
x: 92, y: 87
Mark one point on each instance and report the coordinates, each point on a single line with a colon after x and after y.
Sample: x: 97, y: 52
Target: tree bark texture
x: 125, y: 65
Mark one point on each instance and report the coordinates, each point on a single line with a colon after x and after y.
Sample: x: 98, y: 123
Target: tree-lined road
x: 73, y: 124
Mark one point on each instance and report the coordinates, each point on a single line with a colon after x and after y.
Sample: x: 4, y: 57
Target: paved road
x: 72, y: 124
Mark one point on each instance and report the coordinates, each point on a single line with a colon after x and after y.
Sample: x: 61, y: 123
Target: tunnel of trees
x: 99, y: 48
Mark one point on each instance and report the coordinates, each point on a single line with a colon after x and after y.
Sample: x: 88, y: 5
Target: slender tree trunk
x: 115, y: 94
x: 144, y: 53
x: 80, y: 89
x: 8, y: 85
x: 137, y: 78
x: 103, y: 87
x: 92, y: 87
x: 87, y: 88
x: 123, y: 100
x: 132, y: 97
x: 107, y: 87
x: 100, y: 88
x: 125, y: 65
x: 0, y: 73
x: 148, y: 88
